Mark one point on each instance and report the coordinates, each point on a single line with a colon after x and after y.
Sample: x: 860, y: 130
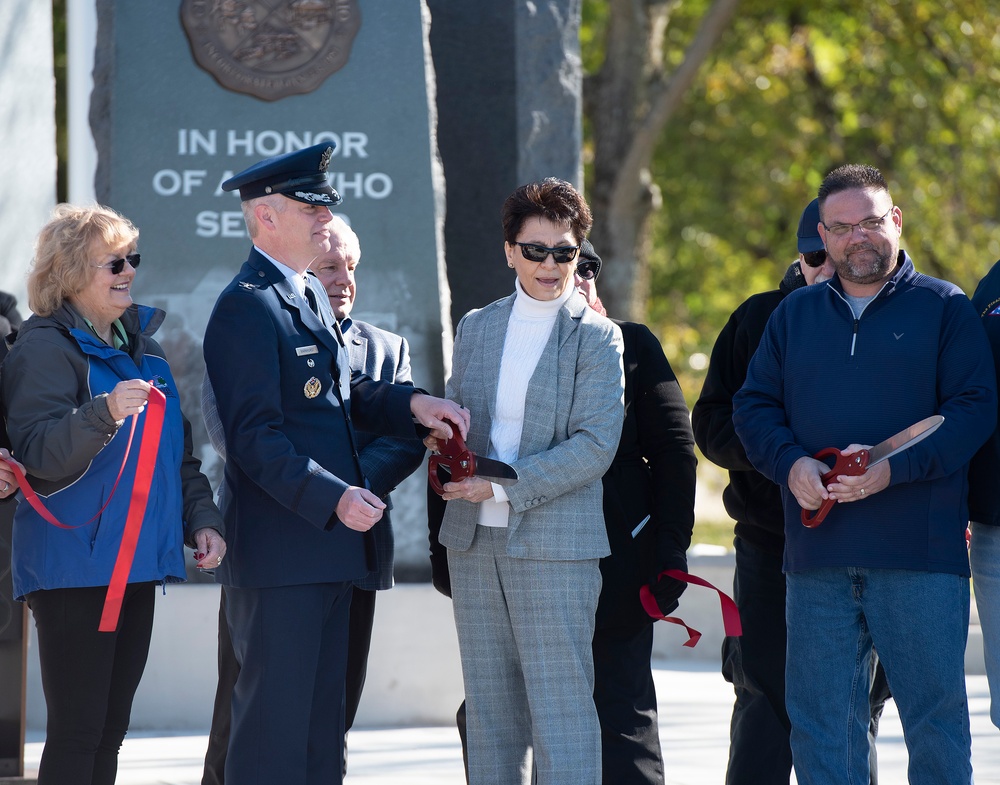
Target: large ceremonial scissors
x: 859, y: 462
x: 460, y: 462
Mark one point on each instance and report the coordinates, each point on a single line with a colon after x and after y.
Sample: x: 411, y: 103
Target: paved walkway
x: 694, y: 701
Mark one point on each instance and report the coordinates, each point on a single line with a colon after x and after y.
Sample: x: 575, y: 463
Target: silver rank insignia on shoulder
x: 247, y: 285
x: 313, y: 388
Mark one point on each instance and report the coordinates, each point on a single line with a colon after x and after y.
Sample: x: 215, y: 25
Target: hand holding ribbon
x: 127, y: 398
x: 7, y: 474
x: 148, y: 448
x: 667, y: 592
x: 730, y: 613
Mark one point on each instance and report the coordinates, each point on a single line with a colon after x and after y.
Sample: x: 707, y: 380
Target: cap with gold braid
x: 299, y: 175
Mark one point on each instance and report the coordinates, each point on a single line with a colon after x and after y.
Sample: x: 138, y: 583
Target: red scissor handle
x: 453, y: 455
x: 854, y: 463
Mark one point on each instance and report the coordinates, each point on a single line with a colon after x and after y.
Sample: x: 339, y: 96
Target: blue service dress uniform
x: 288, y: 407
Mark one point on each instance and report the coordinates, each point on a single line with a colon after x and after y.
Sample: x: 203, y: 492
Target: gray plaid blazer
x: 572, y: 424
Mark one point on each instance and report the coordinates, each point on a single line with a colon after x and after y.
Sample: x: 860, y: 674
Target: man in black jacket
x: 649, y: 514
x: 759, y: 752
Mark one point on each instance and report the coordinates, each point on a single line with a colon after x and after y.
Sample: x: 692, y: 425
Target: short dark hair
x: 551, y: 198
x: 849, y: 177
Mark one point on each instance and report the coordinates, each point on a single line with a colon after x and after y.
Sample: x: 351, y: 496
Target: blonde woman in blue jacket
x: 78, y: 370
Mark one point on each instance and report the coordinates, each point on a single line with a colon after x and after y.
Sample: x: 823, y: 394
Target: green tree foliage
x: 792, y: 90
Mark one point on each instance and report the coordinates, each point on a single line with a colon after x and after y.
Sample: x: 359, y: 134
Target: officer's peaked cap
x: 299, y: 175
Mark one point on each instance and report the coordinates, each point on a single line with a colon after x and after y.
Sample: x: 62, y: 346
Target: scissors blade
x: 904, y: 439
x: 495, y: 471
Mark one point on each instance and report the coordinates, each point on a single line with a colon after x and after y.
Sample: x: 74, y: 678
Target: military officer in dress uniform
x: 297, y: 510
x: 385, y: 461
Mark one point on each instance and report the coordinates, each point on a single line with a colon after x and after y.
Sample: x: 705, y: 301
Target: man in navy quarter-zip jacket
x: 885, y: 347
x: 754, y: 663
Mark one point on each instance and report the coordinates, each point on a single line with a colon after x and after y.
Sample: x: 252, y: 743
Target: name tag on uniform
x: 302, y: 351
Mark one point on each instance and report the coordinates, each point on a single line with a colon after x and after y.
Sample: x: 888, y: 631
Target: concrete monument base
x: 414, y: 673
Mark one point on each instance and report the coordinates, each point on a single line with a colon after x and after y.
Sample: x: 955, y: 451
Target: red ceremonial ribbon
x: 149, y: 445
x: 730, y: 613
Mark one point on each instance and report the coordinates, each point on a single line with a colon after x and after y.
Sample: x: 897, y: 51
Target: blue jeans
x: 919, y: 623
x: 985, y: 558
x: 754, y: 663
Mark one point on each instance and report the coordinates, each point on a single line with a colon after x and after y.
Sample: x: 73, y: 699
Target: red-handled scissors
x: 859, y: 462
x: 459, y: 461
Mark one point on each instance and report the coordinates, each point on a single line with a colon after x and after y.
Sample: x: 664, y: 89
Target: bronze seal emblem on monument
x: 271, y: 49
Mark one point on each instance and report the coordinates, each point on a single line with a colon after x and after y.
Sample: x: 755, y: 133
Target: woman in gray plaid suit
x: 541, y: 374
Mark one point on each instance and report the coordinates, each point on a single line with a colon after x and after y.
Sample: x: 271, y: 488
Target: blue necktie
x: 311, y: 298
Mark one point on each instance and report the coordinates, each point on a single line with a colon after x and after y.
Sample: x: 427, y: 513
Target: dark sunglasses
x: 118, y: 265
x: 814, y: 258
x: 588, y: 269
x: 538, y: 253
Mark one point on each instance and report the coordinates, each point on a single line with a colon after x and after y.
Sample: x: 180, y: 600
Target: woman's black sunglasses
x: 538, y: 253
x: 118, y: 265
x: 588, y: 269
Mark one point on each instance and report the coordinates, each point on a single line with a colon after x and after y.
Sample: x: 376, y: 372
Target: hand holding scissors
x: 849, y: 463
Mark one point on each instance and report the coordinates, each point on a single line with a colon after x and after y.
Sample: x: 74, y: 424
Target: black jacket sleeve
x: 712, y: 416
x: 664, y: 428
x: 649, y: 489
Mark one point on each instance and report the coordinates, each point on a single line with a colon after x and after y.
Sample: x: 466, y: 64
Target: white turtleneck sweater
x: 528, y: 330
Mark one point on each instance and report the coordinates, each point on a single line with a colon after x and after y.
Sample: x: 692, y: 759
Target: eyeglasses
x: 118, y: 265
x: 539, y: 253
x: 814, y: 258
x: 588, y: 269
x: 867, y: 225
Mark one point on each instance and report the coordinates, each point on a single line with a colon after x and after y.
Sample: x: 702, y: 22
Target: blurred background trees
x: 786, y: 91
x: 709, y: 125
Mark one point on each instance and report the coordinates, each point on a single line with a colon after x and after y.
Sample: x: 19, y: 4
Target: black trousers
x: 359, y: 644
x: 759, y: 749
x: 89, y: 679
x: 222, y: 712
x: 626, y: 706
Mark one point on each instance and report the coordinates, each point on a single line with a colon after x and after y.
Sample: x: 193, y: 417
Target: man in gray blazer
x: 386, y: 461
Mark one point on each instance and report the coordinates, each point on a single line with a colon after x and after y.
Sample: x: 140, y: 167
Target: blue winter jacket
x: 54, y: 386
x: 821, y: 379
